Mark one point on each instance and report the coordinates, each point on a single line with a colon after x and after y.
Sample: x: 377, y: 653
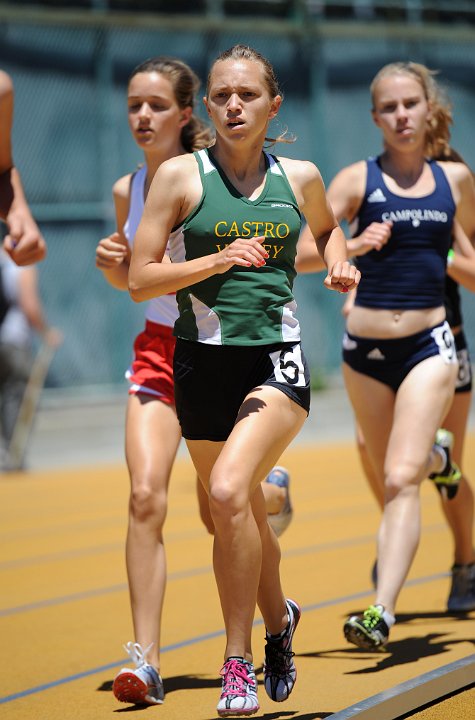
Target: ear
x: 375, y: 117
x: 430, y: 114
x: 205, y: 103
x: 275, y: 106
x: 186, y: 114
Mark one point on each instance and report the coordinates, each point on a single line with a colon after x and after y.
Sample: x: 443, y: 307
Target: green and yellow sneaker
x: 447, y: 481
x: 368, y: 631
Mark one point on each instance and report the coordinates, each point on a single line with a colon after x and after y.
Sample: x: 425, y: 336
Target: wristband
x: 450, y: 257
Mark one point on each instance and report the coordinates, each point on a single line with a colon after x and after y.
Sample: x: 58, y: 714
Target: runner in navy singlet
x: 398, y: 348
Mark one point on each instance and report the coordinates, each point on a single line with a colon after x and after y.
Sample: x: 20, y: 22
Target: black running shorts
x: 391, y: 360
x: 464, y: 381
x: 212, y: 381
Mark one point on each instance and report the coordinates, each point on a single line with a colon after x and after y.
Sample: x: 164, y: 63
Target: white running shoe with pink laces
x: 239, y: 689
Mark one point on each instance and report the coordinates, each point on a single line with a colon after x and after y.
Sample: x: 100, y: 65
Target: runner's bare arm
x: 112, y: 252
x: 329, y: 237
x: 23, y: 241
x: 461, y: 263
x: 175, y: 190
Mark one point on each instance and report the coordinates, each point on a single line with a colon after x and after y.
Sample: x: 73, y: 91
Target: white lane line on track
x: 413, y: 694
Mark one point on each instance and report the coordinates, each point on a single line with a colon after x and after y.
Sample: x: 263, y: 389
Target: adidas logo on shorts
x: 349, y: 343
x: 375, y: 354
x: 376, y: 196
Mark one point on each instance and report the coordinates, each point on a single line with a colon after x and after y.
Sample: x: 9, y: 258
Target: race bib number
x: 464, y: 374
x: 445, y: 342
x: 288, y: 366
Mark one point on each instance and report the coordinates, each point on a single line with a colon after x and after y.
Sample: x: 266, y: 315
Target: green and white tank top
x: 244, y: 306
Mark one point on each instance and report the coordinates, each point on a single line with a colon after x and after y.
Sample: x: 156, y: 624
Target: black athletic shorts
x: 464, y: 376
x: 391, y: 360
x: 212, y: 381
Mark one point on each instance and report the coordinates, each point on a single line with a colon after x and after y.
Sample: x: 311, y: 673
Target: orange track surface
x: 64, y: 611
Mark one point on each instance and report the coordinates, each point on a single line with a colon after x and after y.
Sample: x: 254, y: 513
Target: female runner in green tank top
x: 242, y: 385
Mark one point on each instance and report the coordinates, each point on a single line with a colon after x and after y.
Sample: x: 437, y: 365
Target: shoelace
x: 277, y: 659
x: 137, y: 654
x: 371, y: 617
x: 235, y: 677
x: 462, y: 580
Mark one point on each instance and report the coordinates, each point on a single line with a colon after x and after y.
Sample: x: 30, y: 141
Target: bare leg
x: 274, y: 497
x: 152, y: 438
x: 203, y: 506
x: 402, y: 428
x: 375, y: 481
x: 267, y: 423
x: 459, y: 511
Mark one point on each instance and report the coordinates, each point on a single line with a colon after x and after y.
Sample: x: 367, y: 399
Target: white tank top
x: 162, y: 310
x: 15, y: 328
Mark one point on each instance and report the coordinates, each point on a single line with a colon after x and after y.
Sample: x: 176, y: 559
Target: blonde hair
x: 195, y: 135
x: 245, y: 52
x: 438, y: 125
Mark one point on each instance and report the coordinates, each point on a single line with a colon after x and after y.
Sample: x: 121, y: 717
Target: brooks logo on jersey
x: 415, y: 216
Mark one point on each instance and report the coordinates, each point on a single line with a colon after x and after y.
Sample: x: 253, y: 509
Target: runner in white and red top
x: 161, y: 95
x: 151, y: 370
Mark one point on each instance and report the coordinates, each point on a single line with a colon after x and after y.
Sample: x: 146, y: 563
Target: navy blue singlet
x: 409, y: 271
x: 453, y: 306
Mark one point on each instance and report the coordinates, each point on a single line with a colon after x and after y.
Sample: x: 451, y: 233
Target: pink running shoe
x: 239, y: 689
